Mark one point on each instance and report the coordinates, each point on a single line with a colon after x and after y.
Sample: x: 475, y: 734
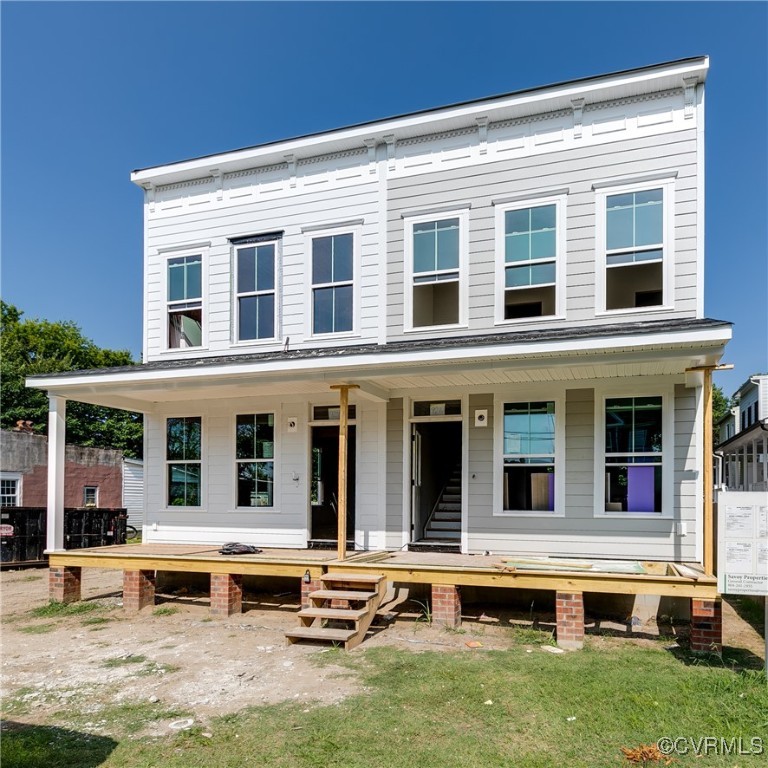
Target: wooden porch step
x: 341, y: 614
x: 341, y: 594
x: 352, y: 578
x: 325, y: 634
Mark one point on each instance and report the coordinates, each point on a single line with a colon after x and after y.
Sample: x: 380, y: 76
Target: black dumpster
x: 23, y: 532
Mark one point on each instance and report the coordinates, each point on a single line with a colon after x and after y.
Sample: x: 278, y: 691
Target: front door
x: 324, y: 489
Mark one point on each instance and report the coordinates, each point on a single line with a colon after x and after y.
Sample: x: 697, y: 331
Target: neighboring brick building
x: 93, y: 476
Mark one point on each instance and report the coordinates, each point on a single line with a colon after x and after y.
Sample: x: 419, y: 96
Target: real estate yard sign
x: 742, y: 543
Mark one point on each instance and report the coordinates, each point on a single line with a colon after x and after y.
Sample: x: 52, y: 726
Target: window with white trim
x: 184, y: 460
x: 185, y: 302
x: 636, y: 246
x: 530, y: 243
x: 333, y: 283
x: 255, y: 457
x: 10, y: 491
x: 90, y: 495
x: 633, y: 454
x: 435, y: 255
x: 529, y: 456
x: 255, y: 290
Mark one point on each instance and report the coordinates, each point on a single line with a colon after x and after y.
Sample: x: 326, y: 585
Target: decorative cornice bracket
x: 149, y: 189
x: 578, y: 111
x: 390, y: 139
x: 371, y: 144
x: 482, y: 134
x: 291, y: 160
x: 690, y: 95
x: 219, y: 178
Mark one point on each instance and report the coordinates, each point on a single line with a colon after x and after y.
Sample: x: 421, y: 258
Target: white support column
x: 57, y: 436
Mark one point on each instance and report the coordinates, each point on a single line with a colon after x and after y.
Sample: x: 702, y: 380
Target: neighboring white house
x: 133, y: 491
x: 743, y: 443
x: 515, y: 285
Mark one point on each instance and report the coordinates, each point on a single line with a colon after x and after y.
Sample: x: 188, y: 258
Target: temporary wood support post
x: 343, y: 431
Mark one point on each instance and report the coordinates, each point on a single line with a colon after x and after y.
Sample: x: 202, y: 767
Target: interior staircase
x: 444, y: 524
x: 342, y: 611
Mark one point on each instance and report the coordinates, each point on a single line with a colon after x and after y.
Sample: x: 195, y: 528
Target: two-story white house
x: 514, y: 289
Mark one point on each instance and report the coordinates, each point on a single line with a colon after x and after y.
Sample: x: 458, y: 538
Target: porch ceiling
x: 379, y: 376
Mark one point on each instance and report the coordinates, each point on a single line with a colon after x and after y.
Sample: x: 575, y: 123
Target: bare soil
x: 174, y: 655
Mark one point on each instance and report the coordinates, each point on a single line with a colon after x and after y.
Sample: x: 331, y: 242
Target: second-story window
x: 333, y: 283
x: 185, y: 302
x: 255, y: 288
x: 434, y: 263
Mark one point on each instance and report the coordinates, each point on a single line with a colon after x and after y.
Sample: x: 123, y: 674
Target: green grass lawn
x: 444, y: 709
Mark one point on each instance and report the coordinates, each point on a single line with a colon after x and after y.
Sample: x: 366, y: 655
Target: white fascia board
x: 603, y: 88
x: 417, y: 358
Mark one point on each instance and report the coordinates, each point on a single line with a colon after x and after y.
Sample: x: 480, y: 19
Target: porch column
x: 57, y: 435
x: 709, y: 524
x: 343, y: 433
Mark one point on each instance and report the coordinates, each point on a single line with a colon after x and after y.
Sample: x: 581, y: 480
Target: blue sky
x: 91, y: 91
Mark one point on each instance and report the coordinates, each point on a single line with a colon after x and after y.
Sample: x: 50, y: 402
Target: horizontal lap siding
x: 480, y: 469
x: 577, y: 169
x: 217, y: 222
x: 394, y: 511
x: 579, y: 533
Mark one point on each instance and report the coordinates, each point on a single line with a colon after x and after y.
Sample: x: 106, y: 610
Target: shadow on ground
x: 34, y: 746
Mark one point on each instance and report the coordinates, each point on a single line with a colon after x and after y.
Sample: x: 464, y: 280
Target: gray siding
x: 580, y: 533
x: 480, y: 469
x: 394, y: 515
x: 575, y: 169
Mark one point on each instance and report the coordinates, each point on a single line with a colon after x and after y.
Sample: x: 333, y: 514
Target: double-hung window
x: 255, y: 290
x: 185, y: 302
x: 529, y: 238
x: 183, y: 461
x: 10, y: 491
x: 90, y: 495
x: 435, y: 255
x: 333, y: 275
x: 633, y: 454
x: 636, y: 245
x: 255, y: 452
x: 529, y: 456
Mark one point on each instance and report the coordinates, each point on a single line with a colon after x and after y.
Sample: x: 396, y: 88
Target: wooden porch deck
x: 658, y: 578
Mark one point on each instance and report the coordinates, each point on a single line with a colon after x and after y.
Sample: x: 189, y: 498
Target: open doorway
x: 324, y: 489
x: 436, y: 483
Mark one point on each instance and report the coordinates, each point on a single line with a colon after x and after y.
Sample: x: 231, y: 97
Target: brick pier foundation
x: 446, y: 605
x: 309, y: 586
x: 569, y: 609
x: 226, y: 594
x: 706, y: 626
x: 64, y: 583
x: 138, y: 590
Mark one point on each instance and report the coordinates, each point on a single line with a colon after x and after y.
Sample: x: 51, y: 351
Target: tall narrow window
x: 183, y: 460
x: 332, y: 283
x: 90, y: 495
x: 634, y: 255
x: 529, y: 456
x: 530, y: 261
x: 436, y: 248
x: 255, y: 451
x: 255, y: 291
x: 185, y: 302
x: 633, y: 454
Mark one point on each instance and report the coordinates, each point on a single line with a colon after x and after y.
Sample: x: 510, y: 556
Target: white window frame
x: 179, y: 254
x: 666, y: 392
x: 276, y: 291
x: 96, y: 495
x: 202, y: 461
x: 275, y: 451
x: 560, y: 203
x: 529, y: 396
x: 667, y: 185
x: 462, y: 214
x: 17, y: 478
x: 355, y: 230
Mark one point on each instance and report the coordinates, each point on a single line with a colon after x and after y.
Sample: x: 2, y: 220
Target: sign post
x: 742, y: 547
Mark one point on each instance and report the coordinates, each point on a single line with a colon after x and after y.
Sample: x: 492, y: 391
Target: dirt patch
x: 77, y: 667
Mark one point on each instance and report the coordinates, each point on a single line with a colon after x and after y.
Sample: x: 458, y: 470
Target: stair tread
x: 351, y: 578
x: 321, y: 633
x: 341, y: 594
x: 345, y: 614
